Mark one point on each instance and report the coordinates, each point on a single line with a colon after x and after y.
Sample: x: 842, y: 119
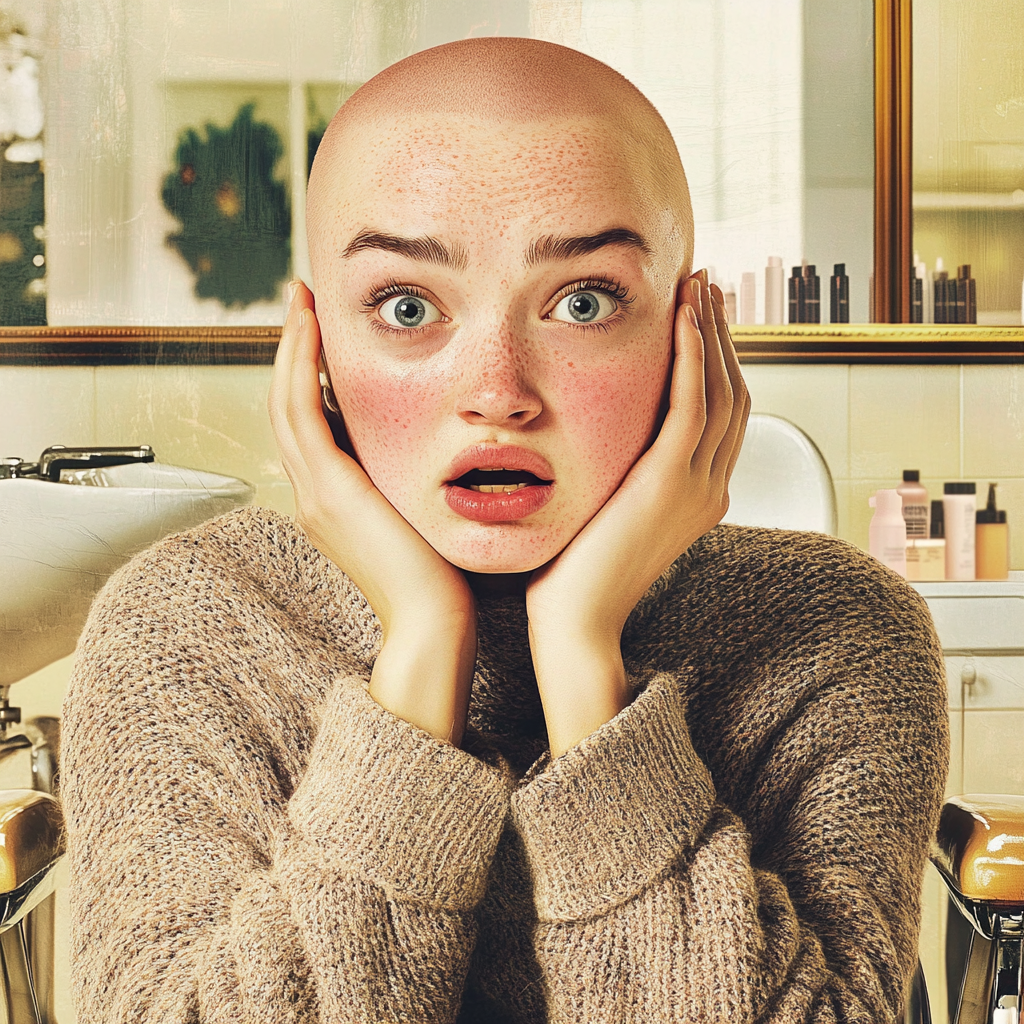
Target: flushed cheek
x: 608, y: 417
x: 391, y: 422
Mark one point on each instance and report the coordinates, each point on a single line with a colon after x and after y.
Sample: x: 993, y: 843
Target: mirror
x: 176, y: 140
x: 968, y: 180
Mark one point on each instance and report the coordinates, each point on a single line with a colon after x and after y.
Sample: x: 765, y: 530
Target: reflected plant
x: 235, y: 216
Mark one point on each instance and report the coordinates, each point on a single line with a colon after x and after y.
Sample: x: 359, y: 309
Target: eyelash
x: 610, y: 286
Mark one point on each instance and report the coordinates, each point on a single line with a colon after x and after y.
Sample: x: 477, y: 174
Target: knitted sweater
x: 253, y: 838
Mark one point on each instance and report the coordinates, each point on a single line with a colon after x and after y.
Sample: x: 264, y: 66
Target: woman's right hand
x: 424, y: 671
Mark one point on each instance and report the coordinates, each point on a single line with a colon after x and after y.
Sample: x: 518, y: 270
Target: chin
x: 498, y: 550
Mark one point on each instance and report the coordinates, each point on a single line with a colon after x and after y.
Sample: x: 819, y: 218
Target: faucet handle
x: 57, y: 458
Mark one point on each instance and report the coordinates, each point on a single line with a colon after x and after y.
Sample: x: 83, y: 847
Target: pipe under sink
x: 64, y: 530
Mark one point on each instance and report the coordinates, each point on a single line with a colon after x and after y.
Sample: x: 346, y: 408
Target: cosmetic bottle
x: 839, y: 295
x: 812, y: 295
x: 915, y: 504
x: 887, y: 534
x: 991, y: 540
x: 940, y: 293
x: 958, y: 510
x: 748, y: 298
x: 927, y: 305
x: 729, y: 298
x: 774, y: 289
x: 926, y: 559
x: 966, y: 296
x: 916, y: 295
x: 796, y: 296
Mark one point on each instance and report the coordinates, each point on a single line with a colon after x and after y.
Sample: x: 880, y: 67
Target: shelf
x: 255, y: 346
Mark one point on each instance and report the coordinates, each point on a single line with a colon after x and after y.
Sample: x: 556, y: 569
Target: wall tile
x: 279, y: 497
x: 993, y: 421
x: 41, y: 406
x: 904, y: 417
x: 992, y: 762
x: 814, y: 398
x: 204, y: 417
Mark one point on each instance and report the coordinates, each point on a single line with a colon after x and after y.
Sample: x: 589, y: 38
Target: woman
x: 502, y: 728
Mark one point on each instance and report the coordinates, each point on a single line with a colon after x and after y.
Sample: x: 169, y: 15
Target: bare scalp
x: 516, y: 82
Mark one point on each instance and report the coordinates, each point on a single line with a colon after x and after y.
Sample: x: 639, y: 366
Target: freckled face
x: 564, y: 355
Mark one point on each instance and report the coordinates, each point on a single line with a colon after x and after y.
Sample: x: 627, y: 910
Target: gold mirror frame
x: 890, y: 339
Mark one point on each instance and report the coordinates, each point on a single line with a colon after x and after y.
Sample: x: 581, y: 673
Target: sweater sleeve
x: 657, y: 905
x: 212, y: 880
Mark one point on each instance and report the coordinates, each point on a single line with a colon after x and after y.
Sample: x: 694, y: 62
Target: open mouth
x: 498, y: 481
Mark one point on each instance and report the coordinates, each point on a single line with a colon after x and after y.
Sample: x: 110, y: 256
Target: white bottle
x: 748, y: 298
x: 729, y: 298
x: 958, y: 510
x: 774, y: 291
x: 927, y: 298
x: 887, y: 534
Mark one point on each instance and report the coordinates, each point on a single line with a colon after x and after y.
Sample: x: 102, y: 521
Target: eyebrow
x: 425, y: 249
x: 430, y: 250
x: 552, y: 248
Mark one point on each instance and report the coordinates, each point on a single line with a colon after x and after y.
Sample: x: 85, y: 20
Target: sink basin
x: 59, y: 542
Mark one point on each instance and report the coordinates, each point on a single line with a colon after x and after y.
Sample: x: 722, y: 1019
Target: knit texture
x: 252, y: 838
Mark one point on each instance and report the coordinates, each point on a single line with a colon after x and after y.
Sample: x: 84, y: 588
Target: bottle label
x: 916, y: 518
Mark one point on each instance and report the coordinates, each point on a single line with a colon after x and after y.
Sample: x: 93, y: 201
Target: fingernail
x: 691, y: 315
x: 704, y: 278
x: 695, y: 291
x: 292, y: 286
x: 303, y: 317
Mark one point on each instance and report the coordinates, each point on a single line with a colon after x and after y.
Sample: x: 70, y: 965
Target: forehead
x: 454, y: 171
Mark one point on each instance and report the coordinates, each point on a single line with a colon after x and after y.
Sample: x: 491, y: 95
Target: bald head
x: 518, y: 83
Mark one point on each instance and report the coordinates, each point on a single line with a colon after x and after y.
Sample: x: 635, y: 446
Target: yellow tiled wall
x: 870, y: 423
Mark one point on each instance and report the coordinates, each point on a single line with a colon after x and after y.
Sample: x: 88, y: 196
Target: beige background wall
x: 870, y: 422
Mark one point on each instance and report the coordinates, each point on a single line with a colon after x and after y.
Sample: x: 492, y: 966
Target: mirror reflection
x: 968, y: 196
x: 175, y: 142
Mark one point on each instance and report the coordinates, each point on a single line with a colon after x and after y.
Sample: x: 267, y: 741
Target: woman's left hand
x: 678, y: 490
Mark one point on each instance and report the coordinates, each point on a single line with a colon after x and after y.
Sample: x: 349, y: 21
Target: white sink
x: 60, y: 541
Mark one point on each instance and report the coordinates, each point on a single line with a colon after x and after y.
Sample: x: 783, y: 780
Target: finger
x: 276, y: 399
x: 732, y: 441
x: 717, y: 384
x: 687, y: 414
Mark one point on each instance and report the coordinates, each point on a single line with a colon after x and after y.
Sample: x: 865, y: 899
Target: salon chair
x: 979, y: 852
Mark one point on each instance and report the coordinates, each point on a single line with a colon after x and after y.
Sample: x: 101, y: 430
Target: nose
x: 496, y: 382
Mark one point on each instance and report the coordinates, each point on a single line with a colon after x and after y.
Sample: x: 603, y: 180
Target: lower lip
x: 498, y: 508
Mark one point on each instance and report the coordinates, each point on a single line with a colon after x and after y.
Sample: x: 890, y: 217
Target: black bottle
x: 796, y: 296
x: 812, y: 296
x: 942, y: 304
x: 966, y: 296
x: 840, y: 295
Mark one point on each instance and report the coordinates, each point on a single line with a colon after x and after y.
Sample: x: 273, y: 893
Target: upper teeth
x: 497, y: 488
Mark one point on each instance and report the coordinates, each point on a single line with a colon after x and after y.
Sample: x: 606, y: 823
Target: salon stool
x: 31, y: 846
x: 979, y: 852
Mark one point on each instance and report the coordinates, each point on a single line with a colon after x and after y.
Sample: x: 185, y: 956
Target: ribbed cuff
x: 413, y: 814
x: 603, y: 820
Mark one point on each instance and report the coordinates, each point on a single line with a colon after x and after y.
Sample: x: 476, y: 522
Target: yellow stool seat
x: 31, y: 836
x: 979, y: 847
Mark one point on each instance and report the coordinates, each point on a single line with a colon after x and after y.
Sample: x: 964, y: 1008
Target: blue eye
x: 584, y: 307
x: 409, y: 311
